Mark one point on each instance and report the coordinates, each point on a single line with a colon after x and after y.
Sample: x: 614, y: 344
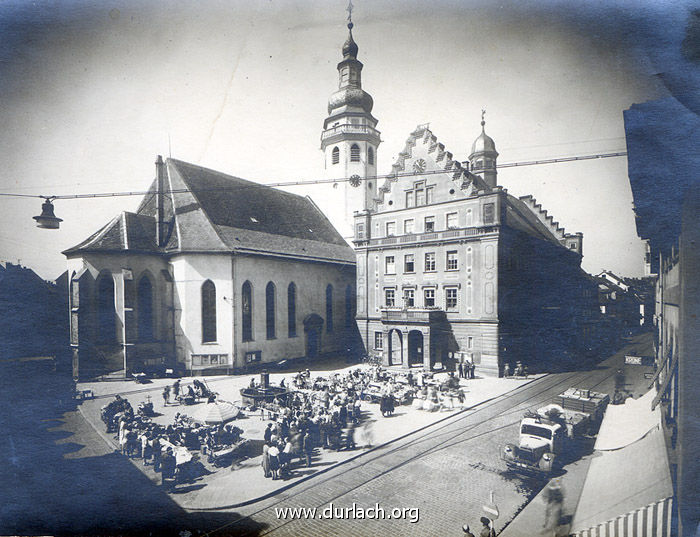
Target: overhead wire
x: 393, y: 175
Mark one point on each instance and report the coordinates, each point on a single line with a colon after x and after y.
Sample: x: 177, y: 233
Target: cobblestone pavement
x: 445, y: 472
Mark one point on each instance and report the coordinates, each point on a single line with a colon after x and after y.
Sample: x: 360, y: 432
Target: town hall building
x: 450, y: 266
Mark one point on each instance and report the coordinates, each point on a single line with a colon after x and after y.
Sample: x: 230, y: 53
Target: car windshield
x: 534, y: 430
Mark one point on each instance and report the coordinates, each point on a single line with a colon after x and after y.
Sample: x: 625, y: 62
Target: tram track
x: 432, y: 439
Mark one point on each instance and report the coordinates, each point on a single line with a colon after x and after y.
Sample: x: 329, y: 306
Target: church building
x: 211, y: 274
x: 450, y: 266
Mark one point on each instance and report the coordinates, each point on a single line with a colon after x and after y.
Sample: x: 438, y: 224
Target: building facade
x: 450, y: 267
x: 211, y: 274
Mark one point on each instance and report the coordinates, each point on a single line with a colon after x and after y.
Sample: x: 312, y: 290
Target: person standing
x: 167, y: 467
x: 267, y: 436
x: 274, y: 454
x: 265, y: 463
x: 460, y: 368
x: 554, y: 496
x: 308, y: 446
x: 166, y: 395
x: 472, y: 369
x: 486, y: 530
x: 506, y: 370
x: 176, y: 390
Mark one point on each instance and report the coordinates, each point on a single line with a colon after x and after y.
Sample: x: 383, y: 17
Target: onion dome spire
x: 350, y: 47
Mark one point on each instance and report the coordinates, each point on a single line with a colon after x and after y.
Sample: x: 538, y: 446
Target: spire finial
x: 349, y: 10
x: 483, y: 121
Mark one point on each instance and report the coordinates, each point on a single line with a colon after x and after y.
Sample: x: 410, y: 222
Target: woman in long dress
x: 265, y: 463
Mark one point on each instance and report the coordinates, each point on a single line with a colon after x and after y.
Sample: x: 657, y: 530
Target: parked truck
x: 545, y: 434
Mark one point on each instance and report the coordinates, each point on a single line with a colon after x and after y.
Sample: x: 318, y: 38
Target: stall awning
x: 627, y: 491
x: 627, y: 423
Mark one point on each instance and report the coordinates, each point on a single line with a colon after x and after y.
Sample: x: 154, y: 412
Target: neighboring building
x: 662, y: 142
x: 32, y: 320
x: 212, y: 273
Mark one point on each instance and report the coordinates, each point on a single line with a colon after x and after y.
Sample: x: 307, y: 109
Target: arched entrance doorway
x: 395, y: 347
x: 313, y: 328
x: 415, y: 348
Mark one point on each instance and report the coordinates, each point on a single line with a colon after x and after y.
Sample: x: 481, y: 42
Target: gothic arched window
x: 354, y: 153
x: 329, y: 308
x: 145, y: 309
x: 292, y: 310
x: 335, y: 155
x: 270, y: 310
x: 370, y: 155
x: 247, y: 310
x: 208, y: 312
x: 106, y: 314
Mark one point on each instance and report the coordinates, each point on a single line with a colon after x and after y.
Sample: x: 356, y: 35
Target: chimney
x: 160, y: 201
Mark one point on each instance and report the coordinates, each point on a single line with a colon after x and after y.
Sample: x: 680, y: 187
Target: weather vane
x: 349, y: 10
x: 483, y: 113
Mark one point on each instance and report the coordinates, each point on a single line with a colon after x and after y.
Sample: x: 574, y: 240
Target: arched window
x: 208, y: 312
x: 106, y: 315
x: 329, y: 308
x: 354, y: 153
x: 335, y: 155
x: 349, y: 306
x: 370, y: 155
x: 292, y: 310
x: 145, y: 309
x: 270, y: 310
x: 247, y: 310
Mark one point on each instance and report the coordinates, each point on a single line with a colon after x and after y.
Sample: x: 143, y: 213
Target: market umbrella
x: 216, y: 412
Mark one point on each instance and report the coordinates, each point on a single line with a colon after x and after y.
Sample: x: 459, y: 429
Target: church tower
x: 483, y: 156
x: 349, y: 140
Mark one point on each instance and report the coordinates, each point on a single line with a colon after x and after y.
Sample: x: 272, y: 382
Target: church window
x: 106, y: 315
x: 145, y: 309
x: 378, y: 341
x: 247, y: 310
x: 370, y: 156
x: 335, y: 155
x: 329, y: 308
x: 354, y: 153
x: 292, y: 310
x: 270, y: 310
x: 208, y: 312
x: 349, y: 306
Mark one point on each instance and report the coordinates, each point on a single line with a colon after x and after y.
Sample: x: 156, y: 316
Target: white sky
x: 90, y: 95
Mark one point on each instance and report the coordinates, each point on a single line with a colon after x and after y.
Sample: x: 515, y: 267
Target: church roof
x: 209, y: 211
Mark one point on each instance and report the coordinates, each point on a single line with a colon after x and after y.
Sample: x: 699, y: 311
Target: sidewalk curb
x: 110, y: 442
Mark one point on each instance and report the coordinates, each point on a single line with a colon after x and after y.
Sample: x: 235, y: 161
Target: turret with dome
x: 483, y: 156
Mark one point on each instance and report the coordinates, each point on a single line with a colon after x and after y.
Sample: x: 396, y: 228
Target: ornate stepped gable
x: 465, y: 181
x: 547, y: 220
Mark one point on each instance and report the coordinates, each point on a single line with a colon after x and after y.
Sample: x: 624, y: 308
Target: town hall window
x: 329, y: 308
x: 429, y: 297
x: 335, y: 155
x: 409, y: 265
x: 247, y: 310
x: 450, y: 298
x: 354, y: 153
x: 389, y: 265
x: 451, y: 220
x: 208, y: 312
x: 390, y: 229
x: 452, y: 261
x: 370, y: 156
x: 409, y: 298
x: 106, y: 316
x: 430, y: 262
x: 429, y: 224
x: 410, y: 199
x: 145, y: 309
x: 292, y: 310
x: 408, y: 226
x: 389, y: 298
x: 270, y: 310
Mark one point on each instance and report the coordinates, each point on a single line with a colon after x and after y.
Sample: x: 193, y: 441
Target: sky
x: 92, y: 92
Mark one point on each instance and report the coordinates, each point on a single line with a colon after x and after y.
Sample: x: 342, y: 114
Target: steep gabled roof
x: 209, y: 211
